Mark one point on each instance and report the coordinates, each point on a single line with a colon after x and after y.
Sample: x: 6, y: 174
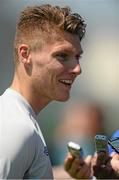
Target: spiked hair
x: 38, y: 22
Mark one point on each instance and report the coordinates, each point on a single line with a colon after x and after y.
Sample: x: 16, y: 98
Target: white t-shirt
x: 23, y: 152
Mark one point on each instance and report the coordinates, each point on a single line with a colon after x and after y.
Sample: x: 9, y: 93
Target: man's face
x: 55, y: 67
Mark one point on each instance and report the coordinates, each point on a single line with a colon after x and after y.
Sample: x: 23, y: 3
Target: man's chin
x: 63, y: 99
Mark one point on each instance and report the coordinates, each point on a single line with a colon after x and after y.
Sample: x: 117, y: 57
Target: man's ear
x: 24, y: 52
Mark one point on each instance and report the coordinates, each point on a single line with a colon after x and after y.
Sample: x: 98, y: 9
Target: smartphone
x: 101, y: 143
x: 114, y: 143
x: 75, y: 149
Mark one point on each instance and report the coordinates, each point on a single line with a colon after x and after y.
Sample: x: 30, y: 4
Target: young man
x: 47, y: 53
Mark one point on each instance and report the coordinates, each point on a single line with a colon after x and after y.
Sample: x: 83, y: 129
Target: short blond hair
x: 37, y: 22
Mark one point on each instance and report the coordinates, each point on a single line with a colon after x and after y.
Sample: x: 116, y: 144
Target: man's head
x: 44, y: 24
x: 47, y: 50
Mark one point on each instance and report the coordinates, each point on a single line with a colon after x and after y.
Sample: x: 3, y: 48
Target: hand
x: 77, y: 167
x: 115, y: 163
x: 102, y: 166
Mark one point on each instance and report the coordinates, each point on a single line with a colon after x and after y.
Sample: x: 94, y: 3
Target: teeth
x: 66, y: 81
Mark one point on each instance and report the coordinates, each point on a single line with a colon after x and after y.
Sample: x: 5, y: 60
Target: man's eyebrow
x: 69, y: 51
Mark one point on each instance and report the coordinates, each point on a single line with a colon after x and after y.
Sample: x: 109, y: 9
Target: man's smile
x: 66, y: 81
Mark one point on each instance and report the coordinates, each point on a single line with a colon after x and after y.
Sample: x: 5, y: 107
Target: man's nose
x: 76, y: 69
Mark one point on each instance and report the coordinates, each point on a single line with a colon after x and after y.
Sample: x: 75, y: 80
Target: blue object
x: 116, y: 134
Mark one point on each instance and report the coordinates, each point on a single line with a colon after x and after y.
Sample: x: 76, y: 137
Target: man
x: 47, y: 52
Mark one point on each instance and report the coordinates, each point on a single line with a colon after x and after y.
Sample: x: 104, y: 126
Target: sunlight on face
x: 55, y: 67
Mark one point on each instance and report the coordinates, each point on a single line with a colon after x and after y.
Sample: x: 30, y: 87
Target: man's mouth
x: 66, y: 82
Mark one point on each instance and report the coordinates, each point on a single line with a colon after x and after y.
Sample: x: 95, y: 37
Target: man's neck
x: 37, y: 101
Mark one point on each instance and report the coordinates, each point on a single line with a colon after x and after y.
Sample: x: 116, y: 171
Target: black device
x: 101, y: 143
x: 114, y: 143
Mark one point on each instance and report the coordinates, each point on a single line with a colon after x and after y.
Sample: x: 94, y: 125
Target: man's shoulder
x: 14, y: 118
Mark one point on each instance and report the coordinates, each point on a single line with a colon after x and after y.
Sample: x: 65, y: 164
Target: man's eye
x: 78, y: 57
x: 62, y: 56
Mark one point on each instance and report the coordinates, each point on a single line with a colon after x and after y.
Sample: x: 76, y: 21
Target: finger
x: 81, y: 169
x: 84, y: 172
x: 115, y: 164
x: 88, y: 160
x: 68, y: 162
x: 75, y: 166
x: 94, y: 160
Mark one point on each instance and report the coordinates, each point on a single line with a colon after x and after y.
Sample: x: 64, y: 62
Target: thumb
x: 115, y: 164
x: 88, y: 160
